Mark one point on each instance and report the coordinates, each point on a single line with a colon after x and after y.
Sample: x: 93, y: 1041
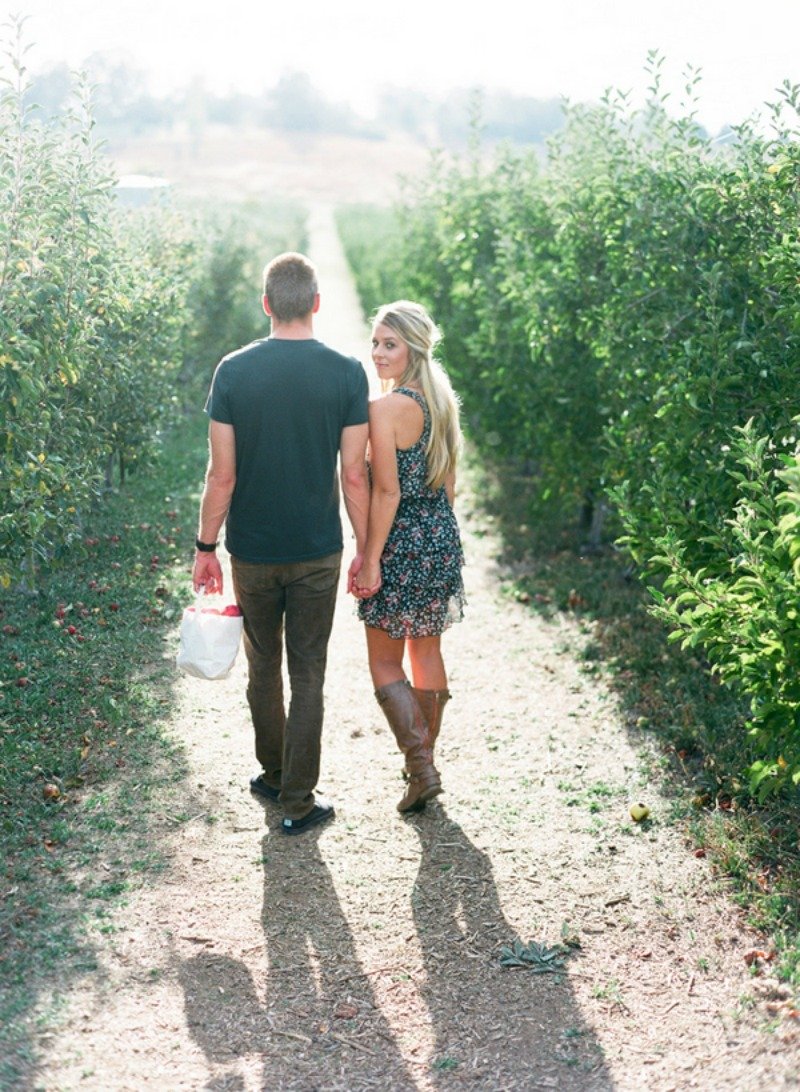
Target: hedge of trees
x: 622, y: 322
x: 105, y: 315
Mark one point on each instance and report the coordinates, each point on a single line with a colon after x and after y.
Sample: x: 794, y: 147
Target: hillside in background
x: 289, y: 140
x: 236, y: 164
x: 124, y: 107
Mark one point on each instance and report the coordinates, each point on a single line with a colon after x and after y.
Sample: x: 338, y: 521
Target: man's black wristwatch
x: 205, y: 547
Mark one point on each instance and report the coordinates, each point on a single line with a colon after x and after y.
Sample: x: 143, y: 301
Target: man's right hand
x: 352, y: 572
x: 366, y: 581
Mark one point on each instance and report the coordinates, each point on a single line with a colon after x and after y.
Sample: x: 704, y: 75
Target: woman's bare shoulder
x: 383, y: 417
x: 400, y: 415
x: 392, y: 406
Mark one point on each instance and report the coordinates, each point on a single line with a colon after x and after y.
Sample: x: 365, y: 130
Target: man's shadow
x: 498, y: 1027
x: 312, y: 999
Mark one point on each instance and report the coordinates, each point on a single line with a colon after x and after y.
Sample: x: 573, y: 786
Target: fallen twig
x: 352, y: 1042
x: 366, y: 974
x: 293, y: 1035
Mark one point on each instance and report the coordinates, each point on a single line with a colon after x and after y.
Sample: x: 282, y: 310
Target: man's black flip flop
x: 260, y: 787
x: 318, y: 814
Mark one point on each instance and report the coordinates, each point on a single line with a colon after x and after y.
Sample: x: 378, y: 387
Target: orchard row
x: 622, y: 322
x: 106, y: 314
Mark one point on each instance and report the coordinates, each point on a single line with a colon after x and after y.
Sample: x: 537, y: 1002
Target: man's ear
x: 265, y: 305
x: 315, y: 308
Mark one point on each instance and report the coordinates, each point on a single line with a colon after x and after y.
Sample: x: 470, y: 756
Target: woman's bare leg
x: 385, y: 657
x: 427, y: 665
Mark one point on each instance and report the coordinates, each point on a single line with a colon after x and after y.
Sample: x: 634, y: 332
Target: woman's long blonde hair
x: 413, y: 325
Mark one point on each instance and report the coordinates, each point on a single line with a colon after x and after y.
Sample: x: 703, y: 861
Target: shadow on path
x: 314, y: 1000
x: 313, y: 1010
x: 495, y: 1027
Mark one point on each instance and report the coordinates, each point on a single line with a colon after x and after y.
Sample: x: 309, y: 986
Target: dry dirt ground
x: 364, y: 955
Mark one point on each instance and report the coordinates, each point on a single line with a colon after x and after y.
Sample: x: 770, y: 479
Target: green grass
x: 84, y: 757
x: 665, y: 694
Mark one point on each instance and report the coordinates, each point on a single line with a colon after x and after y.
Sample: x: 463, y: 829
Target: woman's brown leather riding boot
x: 402, y: 710
x: 432, y: 703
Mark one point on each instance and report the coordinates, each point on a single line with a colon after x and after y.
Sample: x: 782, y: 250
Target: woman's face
x: 389, y: 353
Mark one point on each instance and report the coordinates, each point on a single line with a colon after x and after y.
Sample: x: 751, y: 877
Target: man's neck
x: 297, y: 330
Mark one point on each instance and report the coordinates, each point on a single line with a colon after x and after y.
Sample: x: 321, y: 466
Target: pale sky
x: 353, y: 48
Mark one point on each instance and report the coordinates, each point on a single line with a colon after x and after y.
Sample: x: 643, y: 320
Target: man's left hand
x: 207, y: 573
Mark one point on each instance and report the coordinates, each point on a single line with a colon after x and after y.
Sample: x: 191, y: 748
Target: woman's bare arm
x: 383, y: 416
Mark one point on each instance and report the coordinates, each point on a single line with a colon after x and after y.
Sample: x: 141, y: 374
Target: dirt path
x: 365, y: 955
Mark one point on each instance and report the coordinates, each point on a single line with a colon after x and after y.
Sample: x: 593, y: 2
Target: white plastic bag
x: 209, y: 639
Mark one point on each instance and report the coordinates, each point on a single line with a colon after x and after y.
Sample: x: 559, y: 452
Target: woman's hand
x: 367, y: 580
x: 352, y: 572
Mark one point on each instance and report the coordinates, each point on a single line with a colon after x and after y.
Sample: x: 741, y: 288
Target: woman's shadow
x: 309, y: 1010
x: 500, y: 1028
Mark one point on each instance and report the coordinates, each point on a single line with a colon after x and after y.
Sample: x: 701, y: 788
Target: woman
x: 410, y: 583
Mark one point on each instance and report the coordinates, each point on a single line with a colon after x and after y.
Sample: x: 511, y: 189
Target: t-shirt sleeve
x: 357, y: 409
x: 217, y: 404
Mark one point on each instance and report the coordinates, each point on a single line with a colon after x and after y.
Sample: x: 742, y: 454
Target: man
x: 284, y: 410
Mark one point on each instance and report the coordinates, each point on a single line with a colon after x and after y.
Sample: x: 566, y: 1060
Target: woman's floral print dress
x: 422, y: 591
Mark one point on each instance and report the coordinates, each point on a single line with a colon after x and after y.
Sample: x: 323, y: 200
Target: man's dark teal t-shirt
x: 288, y: 402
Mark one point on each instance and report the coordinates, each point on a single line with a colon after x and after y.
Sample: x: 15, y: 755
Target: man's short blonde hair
x: 290, y: 285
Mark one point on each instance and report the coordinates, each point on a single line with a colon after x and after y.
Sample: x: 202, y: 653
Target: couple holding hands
x: 289, y: 417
